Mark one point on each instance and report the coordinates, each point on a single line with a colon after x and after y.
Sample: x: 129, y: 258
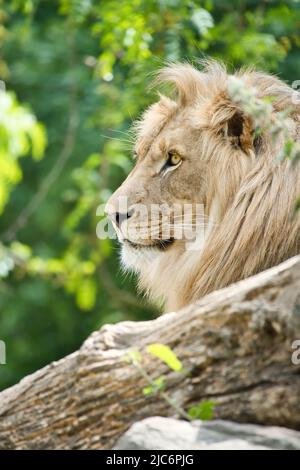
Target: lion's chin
x: 136, y: 257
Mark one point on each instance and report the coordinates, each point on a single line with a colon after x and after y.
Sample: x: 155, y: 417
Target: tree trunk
x: 236, y: 344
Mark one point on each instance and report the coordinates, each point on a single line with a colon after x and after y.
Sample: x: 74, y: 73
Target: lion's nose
x: 119, y: 217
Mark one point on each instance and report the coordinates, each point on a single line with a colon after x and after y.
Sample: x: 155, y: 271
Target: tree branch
x: 236, y: 344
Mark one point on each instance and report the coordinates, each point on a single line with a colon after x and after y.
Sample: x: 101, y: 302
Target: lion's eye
x: 172, y: 162
x: 173, y: 158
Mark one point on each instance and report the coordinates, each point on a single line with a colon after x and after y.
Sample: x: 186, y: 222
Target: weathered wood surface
x: 236, y: 342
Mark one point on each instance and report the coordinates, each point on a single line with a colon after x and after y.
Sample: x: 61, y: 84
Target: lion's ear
x: 238, y: 129
x: 235, y: 125
x: 228, y: 120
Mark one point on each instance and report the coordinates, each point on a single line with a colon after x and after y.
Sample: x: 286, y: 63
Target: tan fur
x: 248, y: 196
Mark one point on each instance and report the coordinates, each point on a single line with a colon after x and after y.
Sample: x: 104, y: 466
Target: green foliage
x: 20, y: 134
x: 166, y: 355
x: 264, y: 121
x: 82, y: 67
x: 203, y: 411
x: 157, y: 386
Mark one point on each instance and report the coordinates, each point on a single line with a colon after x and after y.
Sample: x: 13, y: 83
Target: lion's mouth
x: 161, y: 245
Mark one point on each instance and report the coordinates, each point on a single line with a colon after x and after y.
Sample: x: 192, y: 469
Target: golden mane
x: 257, y: 227
x: 248, y: 194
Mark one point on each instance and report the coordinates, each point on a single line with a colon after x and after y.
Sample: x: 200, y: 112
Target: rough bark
x: 236, y: 344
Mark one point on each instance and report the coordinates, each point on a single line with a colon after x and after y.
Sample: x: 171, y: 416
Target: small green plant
x: 166, y: 355
x: 203, y: 410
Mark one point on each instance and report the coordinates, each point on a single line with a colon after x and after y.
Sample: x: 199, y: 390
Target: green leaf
x: 166, y: 355
x: 156, y: 386
x: 148, y: 390
x: 38, y: 140
x: 86, y: 294
x: 203, y: 411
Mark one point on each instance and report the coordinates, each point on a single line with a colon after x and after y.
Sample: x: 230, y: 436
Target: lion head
x: 207, y: 203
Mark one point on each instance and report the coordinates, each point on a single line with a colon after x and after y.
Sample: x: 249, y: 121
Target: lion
x: 200, y: 148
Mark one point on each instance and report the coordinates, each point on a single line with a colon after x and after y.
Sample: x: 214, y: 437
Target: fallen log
x: 236, y: 344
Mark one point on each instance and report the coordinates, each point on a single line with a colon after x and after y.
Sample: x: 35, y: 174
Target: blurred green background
x: 74, y: 74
